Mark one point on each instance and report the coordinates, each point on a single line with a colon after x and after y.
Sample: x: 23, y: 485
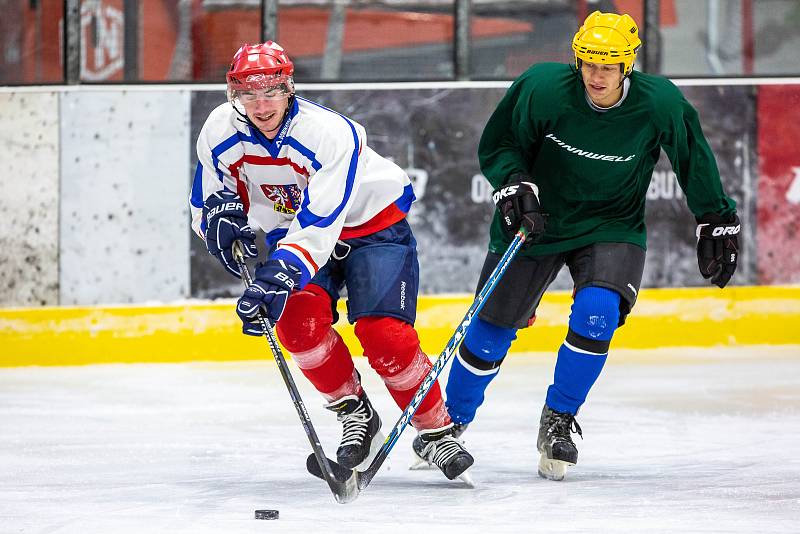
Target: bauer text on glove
x: 226, y: 222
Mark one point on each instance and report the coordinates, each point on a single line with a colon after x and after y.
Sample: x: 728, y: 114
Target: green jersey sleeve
x: 509, y: 137
x: 693, y: 161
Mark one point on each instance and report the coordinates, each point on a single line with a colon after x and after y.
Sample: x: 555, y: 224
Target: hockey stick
x: 364, y: 477
x: 343, y: 482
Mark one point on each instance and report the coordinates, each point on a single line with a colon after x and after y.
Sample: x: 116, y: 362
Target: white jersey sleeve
x: 217, y: 146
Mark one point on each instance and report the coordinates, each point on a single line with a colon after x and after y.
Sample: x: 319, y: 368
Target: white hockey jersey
x: 315, y: 183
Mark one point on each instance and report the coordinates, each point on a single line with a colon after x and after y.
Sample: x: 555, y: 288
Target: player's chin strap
x: 364, y: 477
x: 343, y: 482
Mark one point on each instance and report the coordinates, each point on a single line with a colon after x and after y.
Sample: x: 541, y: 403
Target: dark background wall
x: 434, y: 133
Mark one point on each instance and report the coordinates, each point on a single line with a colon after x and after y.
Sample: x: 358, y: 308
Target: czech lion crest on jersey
x: 286, y: 198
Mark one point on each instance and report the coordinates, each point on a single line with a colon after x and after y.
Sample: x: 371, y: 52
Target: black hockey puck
x: 266, y: 514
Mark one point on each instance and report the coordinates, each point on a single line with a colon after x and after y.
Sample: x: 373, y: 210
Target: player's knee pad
x: 391, y: 345
x: 594, y: 318
x: 306, y: 320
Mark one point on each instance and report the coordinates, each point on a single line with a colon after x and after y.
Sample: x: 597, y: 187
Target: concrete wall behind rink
x: 29, y: 156
x: 94, y: 190
x: 96, y: 184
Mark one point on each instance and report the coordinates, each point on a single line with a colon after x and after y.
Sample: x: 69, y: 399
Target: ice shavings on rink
x: 700, y: 440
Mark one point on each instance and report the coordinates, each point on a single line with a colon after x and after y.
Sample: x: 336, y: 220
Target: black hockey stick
x: 343, y: 482
x: 364, y: 477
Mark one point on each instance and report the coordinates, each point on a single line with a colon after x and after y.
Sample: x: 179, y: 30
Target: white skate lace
x: 355, y: 426
x: 441, y: 451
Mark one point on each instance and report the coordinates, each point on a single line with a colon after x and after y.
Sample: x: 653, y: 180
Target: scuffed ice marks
x: 198, y: 447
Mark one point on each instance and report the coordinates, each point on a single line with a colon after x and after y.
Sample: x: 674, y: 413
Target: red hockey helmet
x: 260, y: 71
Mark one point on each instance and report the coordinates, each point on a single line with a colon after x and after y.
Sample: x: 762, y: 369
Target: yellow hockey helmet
x: 607, y: 38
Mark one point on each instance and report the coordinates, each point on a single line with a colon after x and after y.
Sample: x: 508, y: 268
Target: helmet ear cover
x: 607, y: 38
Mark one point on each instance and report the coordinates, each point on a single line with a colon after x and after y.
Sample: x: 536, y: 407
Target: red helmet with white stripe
x: 260, y: 71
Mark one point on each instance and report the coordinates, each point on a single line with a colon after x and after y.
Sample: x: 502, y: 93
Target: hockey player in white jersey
x: 334, y: 213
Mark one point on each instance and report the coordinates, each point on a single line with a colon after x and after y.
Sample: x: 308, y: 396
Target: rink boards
x: 97, y: 214
x: 194, y: 331
x: 99, y: 177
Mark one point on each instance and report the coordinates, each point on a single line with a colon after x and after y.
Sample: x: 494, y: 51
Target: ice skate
x: 557, y: 449
x: 459, y: 428
x: 361, y: 435
x: 420, y: 464
x: 439, y: 447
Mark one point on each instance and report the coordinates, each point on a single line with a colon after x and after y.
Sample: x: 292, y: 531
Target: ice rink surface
x: 678, y: 440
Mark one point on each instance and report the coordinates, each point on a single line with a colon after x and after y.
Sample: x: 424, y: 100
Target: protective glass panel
x: 214, y: 29
x: 361, y: 40
x: 164, y: 40
x: 775, y: 38
x: 103, y: 48
x: 731, y: 37
x: 172, y: 42
x: 30, y: 41
x: 508, y: 36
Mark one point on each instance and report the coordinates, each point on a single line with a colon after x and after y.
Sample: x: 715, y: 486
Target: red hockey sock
x: 319, y: 351
x: 392, y: 348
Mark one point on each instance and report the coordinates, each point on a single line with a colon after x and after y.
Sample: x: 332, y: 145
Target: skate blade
x: 552, y: 469
x: 374, y: 446
x: 466, y: 478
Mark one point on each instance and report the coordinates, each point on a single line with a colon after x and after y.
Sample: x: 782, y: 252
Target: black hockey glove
x: 718, y: 247
x: 518, y: 204
x: 271, y: 287
x: 226, y: 222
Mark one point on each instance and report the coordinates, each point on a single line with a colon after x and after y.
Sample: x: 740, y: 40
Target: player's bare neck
x: 270, y: 135
x: 610, y: 100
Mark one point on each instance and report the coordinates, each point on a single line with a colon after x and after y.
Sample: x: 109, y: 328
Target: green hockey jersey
x: 593, y: 168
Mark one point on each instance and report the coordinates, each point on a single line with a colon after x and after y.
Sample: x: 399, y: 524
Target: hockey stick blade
x: 345, y: 481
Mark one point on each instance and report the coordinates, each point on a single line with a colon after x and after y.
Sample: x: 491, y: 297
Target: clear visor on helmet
x: 260, y: 87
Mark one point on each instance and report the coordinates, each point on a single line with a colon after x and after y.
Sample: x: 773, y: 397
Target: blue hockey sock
x: 475, y: 366
x: 575, y: 375
x: 594, y: 318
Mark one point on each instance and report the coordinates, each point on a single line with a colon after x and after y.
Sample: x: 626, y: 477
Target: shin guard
x: 305, y: 329
x: 392, y: 348
x: 594, y: 318
x: 476, y: 365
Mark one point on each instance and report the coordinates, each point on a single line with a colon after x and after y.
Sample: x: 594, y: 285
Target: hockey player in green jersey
x: 579, y: 144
